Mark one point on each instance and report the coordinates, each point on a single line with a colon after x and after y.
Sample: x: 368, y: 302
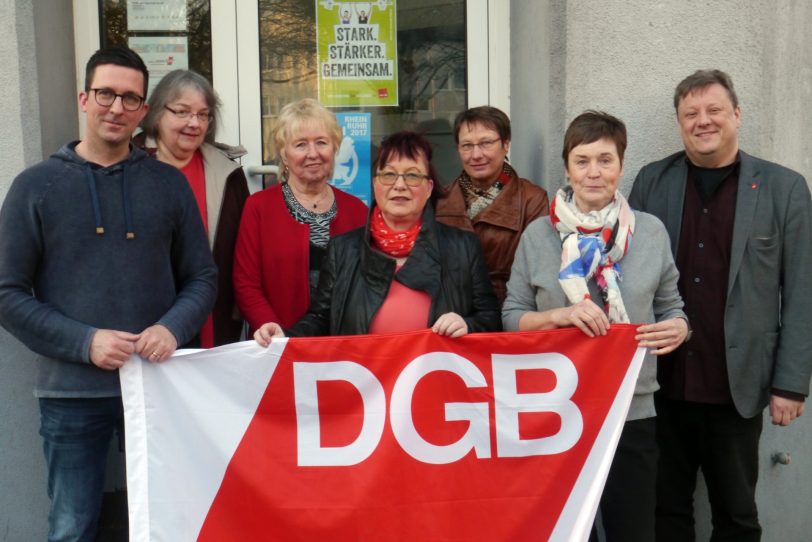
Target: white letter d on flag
x: 305, y: 379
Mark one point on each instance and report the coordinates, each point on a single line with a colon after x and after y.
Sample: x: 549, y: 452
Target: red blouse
x: 196, y: 175
x: 403, y: 309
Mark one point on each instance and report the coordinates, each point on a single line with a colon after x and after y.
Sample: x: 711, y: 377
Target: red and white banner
x: 413, y: 437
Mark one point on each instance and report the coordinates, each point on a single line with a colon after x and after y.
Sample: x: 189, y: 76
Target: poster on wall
x: 351, y: 172
x: 161, y: 54
x: 163, y: 15
x: 357, y: 48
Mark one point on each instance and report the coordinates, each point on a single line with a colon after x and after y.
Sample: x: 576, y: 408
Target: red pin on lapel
x: 753, y: 186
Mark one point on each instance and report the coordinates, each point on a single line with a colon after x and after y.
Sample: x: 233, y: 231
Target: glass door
x: 444, y: 52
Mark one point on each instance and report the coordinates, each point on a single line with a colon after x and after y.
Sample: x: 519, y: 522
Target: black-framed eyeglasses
x: 388, y: 178
x: 203, y: 117
x: 485, y: 145
x: 129, y: 101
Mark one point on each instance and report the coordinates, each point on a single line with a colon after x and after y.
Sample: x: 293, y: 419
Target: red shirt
x: 196, y: 176
x: 403, y: 309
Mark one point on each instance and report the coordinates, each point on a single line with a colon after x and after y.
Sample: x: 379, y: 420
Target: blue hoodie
x: 84, y: 247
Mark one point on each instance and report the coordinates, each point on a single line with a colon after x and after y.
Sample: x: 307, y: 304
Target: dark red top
x: 697, y: 371
x: 196, y: 175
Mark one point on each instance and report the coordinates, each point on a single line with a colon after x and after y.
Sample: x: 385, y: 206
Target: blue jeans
x: 77, y: 435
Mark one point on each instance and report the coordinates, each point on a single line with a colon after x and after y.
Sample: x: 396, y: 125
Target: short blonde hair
x: 305, y: 112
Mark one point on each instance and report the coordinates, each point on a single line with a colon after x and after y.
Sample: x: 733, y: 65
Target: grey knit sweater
x: 648, y: 287
x: 60, y: 280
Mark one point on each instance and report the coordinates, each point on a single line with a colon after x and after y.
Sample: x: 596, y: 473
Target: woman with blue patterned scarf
x: 591, y: 263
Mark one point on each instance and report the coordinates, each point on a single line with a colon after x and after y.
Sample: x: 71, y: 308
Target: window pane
x: 113, y: 22
x: 431, y: 71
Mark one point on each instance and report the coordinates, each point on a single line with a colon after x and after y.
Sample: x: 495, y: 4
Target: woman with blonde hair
x: 285, y: 228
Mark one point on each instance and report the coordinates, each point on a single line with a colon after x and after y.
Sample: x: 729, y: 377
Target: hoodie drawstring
x: 94, y: 197
x: 125, y: 195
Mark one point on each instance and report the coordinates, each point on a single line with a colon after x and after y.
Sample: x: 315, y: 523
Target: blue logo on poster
x: 353, y: 159
x: 346, y: 168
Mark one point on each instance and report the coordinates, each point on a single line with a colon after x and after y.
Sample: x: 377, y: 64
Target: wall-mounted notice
x: 161, y: 54
x: 160, y: 15
x: 357, y: 47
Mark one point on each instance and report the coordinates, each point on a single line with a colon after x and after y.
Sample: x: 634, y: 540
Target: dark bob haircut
x: 591, y: 126
x: 410, y: 145
x: 487, y: 116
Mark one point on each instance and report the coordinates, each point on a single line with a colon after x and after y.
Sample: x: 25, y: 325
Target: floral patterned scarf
x: 592, y: 245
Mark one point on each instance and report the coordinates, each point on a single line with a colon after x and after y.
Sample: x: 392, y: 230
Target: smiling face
x: 401, y: 205
x: 111, y: 127
x: 309, y: 154
x: 482, y: 165
x: 594, y: 170
x: 182, y: 137
x: 708, y: 125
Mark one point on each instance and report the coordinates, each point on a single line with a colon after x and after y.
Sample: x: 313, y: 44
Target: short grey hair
x: 305, y: 112
x: 169, y: 89
x: 701, y: 79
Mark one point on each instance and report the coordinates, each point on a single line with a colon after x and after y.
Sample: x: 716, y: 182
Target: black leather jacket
x: 445, y: 262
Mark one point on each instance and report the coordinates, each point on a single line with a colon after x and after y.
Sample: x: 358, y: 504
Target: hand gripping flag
x: 411, y: 436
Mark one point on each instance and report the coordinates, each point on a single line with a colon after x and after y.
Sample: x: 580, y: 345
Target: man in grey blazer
x: 741, y: 234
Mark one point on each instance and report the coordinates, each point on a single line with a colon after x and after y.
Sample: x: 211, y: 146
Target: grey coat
x: 648, y: 288
x: 769, y: 294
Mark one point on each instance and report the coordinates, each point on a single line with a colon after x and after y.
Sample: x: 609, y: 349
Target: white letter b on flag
x: 510, y: 403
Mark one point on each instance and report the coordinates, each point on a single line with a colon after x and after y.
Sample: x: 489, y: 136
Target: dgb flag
x: 410, y: 436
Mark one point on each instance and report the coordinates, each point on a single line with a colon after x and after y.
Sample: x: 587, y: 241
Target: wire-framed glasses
x: 183, y: 114
x: 412, y: 179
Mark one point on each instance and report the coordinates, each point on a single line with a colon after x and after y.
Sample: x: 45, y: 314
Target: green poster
x: 358, y: 55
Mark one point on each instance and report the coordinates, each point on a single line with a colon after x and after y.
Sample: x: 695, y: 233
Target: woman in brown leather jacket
x: 489, y: 198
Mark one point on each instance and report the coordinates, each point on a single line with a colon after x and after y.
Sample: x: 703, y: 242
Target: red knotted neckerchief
x: 397, y: 244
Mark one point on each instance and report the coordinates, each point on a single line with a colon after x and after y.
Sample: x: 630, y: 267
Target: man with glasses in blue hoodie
x: 102, y: 256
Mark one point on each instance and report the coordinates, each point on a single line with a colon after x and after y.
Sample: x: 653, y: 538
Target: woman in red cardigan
x: 285, y: 228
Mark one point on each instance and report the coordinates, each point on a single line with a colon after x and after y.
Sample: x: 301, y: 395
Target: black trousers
x: 627, y: 503
x: 716, y: 439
